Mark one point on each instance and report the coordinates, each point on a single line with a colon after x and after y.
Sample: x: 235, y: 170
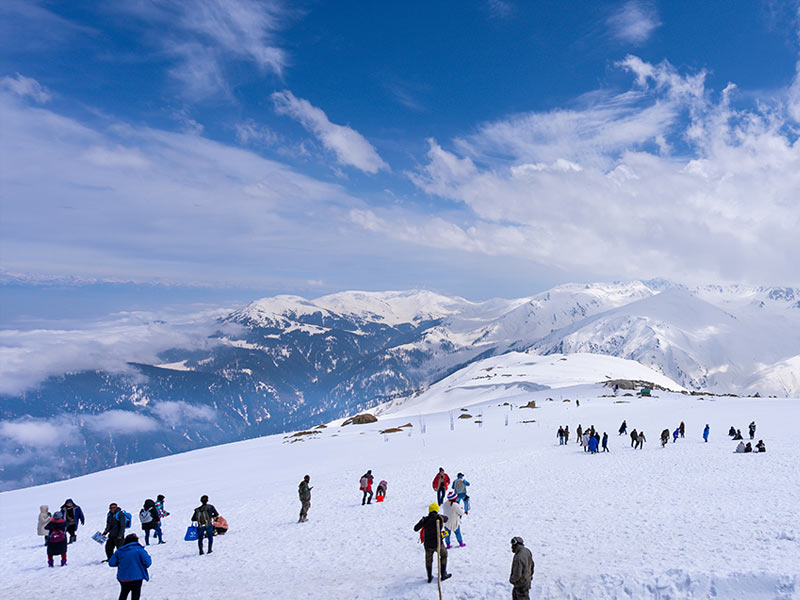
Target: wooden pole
x: 439, y: 555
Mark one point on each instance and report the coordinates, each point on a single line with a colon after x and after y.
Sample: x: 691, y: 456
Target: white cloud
x: 174, y: 413
x: 634, y: 22
x: 251, y: 133
x: 601, y: 189
x: 26, y: 87
x: 351, y: 148
x: 37, y: 433
x: 121, y: 422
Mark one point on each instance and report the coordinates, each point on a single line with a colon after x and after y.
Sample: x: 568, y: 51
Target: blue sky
x: 168, y: 151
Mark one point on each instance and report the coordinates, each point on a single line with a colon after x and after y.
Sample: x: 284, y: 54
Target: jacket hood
x: 68, y: 500
x: 149, y: 503
x: 44, y: 509
x: 130, y: 547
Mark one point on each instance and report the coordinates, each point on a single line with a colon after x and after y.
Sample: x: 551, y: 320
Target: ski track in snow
x: 692, y: 520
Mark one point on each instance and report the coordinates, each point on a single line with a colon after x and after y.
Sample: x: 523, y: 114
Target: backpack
x: 57, y: 535
x: 127, y: 522
x: 364, y: 482
x: 145, y: 516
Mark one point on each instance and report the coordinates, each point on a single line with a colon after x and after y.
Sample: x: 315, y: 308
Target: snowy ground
x: 692, y: 520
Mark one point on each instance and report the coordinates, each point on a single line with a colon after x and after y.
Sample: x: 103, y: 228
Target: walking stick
x: 439, y: 556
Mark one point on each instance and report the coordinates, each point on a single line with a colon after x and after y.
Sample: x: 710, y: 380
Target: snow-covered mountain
x: 287, y: 362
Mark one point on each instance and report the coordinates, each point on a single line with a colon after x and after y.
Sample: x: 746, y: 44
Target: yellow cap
x: 433, y: 507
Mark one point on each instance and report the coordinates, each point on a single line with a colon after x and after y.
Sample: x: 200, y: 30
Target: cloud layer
x: 634, y: 22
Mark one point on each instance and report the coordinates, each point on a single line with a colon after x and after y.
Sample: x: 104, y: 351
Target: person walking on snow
x: 522, y: 568
x: 682, y: 428
x: 566, y: 435
x: 675, y: 435
x: 580, y: 434
x: 115, y: 529
x: 560, y: 435
x: 623, y: 429
x: 204, y: 517
x: 304, y: 491
x: 72, y: 513
x: 664, y: 437
x: 605, y: 442
x: 160, y: 506
x: 365, y: 485
x: 752, y: 428
x: 640, y: 440
x: 57, y: 540
x: 593, y: 445
x: 440, y: 483
x: 151, y: 521
x: 705, y: 433
x: 44, y: 519
x: 634, y: 438
x: 431, y: 526
x: 132, y: 561
x: 453, y: 512
x: 460, y: 488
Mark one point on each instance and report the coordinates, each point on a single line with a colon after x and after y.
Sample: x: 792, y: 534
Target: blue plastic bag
x: 191, y: 533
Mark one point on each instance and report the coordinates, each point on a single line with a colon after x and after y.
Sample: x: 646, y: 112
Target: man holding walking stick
x: 431, y: 537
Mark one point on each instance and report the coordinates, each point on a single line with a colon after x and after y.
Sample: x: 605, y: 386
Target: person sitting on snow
x: 748, y: 447
x: 761, y: 447
x: 732, y: 431
x: 380, y: 491
x: 738, y: 435
x: 740, y: 448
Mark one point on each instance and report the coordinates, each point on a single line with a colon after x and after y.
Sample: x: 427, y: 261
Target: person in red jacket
x: 440, y: 483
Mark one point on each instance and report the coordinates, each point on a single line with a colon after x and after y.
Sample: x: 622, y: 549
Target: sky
x: 158, y: 152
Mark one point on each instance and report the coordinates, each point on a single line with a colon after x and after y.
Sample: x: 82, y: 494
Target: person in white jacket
x: 453, y: 511
x: 740, y: 448
x: 44, y: 519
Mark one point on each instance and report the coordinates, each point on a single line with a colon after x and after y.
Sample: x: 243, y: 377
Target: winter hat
x: 58, y: 515
x: 452, y: 496
x: 460, y: 475
x: 517, y: 541
x: 433, y: 507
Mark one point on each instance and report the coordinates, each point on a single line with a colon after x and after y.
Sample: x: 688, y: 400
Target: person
x: 151, y: 521
x: 740, y: 448
x: 732, y: 431
x: 57, y: 540
x: 304, y: 491
x: 634, y: 438
x: 460, y: 488
x: 577, y: 402
x: 623, y: 429
x: 380, y: 491
x: 675, y: 434
x: 748, y: 447
x: 365, y: 484
x: 204, y: 517
x: 72, y: 513
x: 431, y: 526
x: 220, y: 525
x: 522, y: 567
x: 752, y: 429
x: 605, y: 442
x: 664, y: 437
x: 132, y: 562
x: 115, y: 529
x: 566, y: 435
x: 160, y: 506
x: 592, y: 444
x: 761, y: 447
x: 586, y: 437
x: 682, y: 428
x: 640, y: 440
x: 560, y: 435
x: 440, y: 483
x: 44, y: 519
x: 453, y: 511
x: 705, y: 433
x: 738, y: 435
x: 580, y: 434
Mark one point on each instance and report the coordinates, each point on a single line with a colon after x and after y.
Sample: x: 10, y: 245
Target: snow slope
x: 692, y: 520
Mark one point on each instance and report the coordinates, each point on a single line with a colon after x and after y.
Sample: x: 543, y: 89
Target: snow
x: 691, y: 520
x: 175, y: 366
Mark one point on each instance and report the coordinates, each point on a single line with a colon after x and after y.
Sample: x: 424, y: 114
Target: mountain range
x: 285, y: 362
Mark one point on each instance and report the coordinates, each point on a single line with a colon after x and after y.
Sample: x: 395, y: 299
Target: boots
x: 430, y: 573
x: 50, y: 563
x: 63, y: 562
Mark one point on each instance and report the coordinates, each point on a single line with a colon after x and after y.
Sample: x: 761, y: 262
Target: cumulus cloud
x: 120, y: 422
x: 634, y: 22
x: 174, y: 413
x: 665, y: 178
x: 26, y: 87
x: 351, y: 148
x: 38, y: 433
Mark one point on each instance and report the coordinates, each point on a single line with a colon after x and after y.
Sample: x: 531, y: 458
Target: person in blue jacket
x: 592, y: 444
x: 131, y: 560
x: 705, y: 434
x: 73, y: 514
x: 460, y: 488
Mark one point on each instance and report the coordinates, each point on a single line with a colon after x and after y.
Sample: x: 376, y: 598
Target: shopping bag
x: 191, y: 533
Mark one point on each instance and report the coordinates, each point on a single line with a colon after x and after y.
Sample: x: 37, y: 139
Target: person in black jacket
x: 73, y: 514
x: 204, y: 517
x: 115, y: 529
x: 154, y: 522
x: 432, y: 525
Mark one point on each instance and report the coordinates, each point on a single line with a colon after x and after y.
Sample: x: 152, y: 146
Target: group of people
x: 365, y: 486
x: 742, y: 448
x: 59, y: 529
x: 589, y: 439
